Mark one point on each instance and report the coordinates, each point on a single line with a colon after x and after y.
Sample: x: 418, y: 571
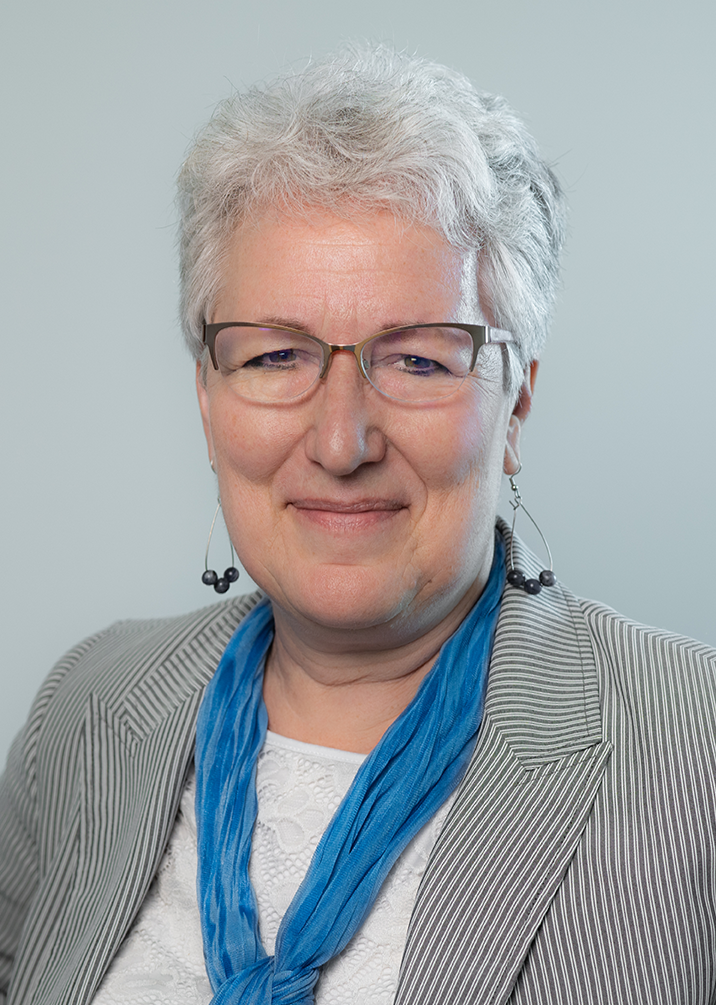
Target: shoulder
x: 579, y: 632
x: 118, y: 659
x: 116, y: 666
x: 661, y: 678
x: 560, y: 659
x: 643, y: 651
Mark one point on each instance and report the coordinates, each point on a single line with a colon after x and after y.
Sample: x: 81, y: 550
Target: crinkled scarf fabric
x: 409, y: 774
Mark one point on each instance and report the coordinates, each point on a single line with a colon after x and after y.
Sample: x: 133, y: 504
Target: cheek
x: 457, y: 458
x: 251, y: 442
x: 457, y: 451
x: 461, y: 466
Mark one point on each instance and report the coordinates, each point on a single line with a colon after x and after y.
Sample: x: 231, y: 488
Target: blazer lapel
x: 520, y: 811
x: 135, y: 753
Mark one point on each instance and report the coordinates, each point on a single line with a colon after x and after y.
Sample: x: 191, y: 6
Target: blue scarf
x: 419, y: 761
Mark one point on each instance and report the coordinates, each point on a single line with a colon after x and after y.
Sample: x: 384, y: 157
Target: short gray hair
x: 369, y: 128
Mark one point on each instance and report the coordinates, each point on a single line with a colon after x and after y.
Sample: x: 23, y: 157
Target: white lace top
x: 299, y: 787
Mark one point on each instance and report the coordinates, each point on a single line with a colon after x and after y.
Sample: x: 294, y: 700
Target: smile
x: 341, y: 516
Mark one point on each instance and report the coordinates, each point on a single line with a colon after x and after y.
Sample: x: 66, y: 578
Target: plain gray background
x: 107, y: 493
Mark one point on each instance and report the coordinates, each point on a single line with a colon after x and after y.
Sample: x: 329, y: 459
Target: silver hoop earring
x: 514, y: 576
x: 209, y: 577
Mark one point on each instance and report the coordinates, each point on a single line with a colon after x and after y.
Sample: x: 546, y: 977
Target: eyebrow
x: 284, y: 322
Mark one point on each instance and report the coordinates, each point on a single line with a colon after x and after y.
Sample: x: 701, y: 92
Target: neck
x: 344, y: 693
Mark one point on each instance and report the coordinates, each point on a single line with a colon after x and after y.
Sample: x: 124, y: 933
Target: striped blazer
x: 577, y: 865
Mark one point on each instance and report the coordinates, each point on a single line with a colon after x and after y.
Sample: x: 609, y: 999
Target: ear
x: 520, y: 412
x: 203, y: 397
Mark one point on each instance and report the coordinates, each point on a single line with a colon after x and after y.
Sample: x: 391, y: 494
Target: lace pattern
x: 162, y: 958
x: 299, y: 788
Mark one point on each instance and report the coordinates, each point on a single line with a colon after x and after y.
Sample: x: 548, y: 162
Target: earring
x: 209, y: 577
x: 514, y: 576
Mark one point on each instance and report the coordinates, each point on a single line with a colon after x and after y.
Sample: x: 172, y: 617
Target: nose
x: 345, y: 431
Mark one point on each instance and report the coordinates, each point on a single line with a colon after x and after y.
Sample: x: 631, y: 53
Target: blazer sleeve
x: 19, y: 867
x: 21, y: 818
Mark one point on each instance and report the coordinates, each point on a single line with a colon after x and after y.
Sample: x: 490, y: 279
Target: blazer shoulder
x: 117, y: 665
x: 125, y: 658
x: 644, y: 646
x: 661, y: 683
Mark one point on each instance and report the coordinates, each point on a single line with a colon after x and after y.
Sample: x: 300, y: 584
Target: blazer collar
x: 542, y: 692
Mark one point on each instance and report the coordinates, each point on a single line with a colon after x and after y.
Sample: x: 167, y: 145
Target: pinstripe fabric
x: 643, y: 880
x: 93, y: 788
x: 520, y: 812
x: 578, y: 863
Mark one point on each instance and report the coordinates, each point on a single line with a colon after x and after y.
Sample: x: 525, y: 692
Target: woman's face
x: 349, y: 509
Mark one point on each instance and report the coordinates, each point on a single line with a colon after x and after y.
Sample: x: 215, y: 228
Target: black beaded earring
x: 514, y: 576
x: 209, y: 577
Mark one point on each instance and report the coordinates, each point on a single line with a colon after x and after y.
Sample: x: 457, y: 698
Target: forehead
x: 373, y: 271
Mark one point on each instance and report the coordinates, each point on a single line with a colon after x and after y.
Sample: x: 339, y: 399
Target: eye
x: 408, y: 364
x: 275, y: 359
x: 421, y: 366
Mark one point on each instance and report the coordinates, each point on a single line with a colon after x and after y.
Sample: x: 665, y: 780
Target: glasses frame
x: 480, y: 334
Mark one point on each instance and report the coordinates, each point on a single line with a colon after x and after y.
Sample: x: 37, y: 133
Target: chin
x: 347, y: 597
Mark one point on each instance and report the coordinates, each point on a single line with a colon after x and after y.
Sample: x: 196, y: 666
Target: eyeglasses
x: 418, y: 363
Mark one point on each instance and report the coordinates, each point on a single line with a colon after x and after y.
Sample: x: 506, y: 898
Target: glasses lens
x: 419, y: 364
x: 267, y: 364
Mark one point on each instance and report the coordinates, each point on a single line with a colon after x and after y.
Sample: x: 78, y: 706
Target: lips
x: 345, y: 506
x: 341, y: 516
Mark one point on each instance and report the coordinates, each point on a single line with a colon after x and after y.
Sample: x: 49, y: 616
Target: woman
x: 414, y: 781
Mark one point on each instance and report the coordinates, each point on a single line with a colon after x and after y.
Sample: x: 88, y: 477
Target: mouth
x: 344, y: 516
x: 348, y: 506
